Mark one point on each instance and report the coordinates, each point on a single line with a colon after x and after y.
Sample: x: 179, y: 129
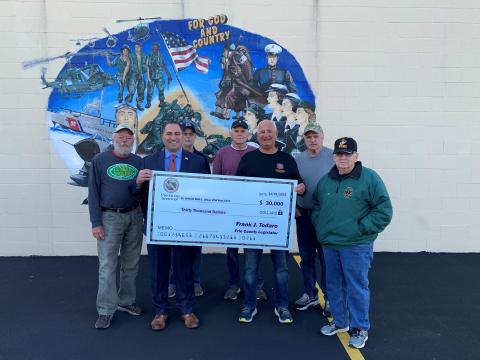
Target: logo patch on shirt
x: 122, y: 172
x: 348, y: 192
x: 171, y: 185
x: 280, y: 168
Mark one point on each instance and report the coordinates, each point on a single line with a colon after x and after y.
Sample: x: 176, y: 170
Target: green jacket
x: 350, y: 210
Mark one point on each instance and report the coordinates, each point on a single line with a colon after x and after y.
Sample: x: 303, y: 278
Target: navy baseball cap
x: 345, y: 145
x: 240, y: 122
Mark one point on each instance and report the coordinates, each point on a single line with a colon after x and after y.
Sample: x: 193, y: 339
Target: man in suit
x: 173, y: 159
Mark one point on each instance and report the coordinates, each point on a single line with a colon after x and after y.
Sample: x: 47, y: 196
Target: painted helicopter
x: 141, y: 31
x: 111, y: 40
x: 90, y: 42
x: 75, y: 80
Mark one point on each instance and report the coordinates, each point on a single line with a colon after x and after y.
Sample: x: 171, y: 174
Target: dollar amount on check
x: 220, y: 211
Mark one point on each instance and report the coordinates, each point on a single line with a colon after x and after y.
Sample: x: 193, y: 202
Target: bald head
x: 268, y: 124
x: 267, y: 136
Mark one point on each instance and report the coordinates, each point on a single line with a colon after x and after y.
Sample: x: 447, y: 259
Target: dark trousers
x: 182, y: 257
x: 309, y: 248
x: 197, y: 259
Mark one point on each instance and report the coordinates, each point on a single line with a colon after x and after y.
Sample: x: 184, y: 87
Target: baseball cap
x: 124, y: 126
x: 240, y: 122
x: 313, y: 127
x: 189, y: 124
x: 345, y: 145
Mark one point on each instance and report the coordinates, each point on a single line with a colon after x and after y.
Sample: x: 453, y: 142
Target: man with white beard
x: 117, y: 224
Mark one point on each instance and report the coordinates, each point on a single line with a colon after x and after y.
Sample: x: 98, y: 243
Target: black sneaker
x: 261, y: 295
x: 326, y: 310
x: 232, y: 293
x: 103, y: 322
x: 132, y: 309
x: 305, y: 302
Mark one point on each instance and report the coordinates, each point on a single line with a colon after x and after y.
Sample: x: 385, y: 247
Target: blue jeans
x: 196, y: 267
x: 280, y: 274
x: 309, y: 248
x: 233, y: 266
x: 347, y: 284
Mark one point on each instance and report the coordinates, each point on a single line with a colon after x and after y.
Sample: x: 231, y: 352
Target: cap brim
x: 343, y: 152
x: 314, y: 131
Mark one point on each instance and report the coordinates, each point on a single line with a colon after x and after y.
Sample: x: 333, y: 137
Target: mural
x: 199, y: 70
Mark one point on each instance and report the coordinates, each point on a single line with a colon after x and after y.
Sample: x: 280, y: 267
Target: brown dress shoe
x: 159, y: 322
x: 191, y: 321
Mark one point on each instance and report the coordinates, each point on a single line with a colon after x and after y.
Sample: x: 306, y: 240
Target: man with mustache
x: 117, y: 224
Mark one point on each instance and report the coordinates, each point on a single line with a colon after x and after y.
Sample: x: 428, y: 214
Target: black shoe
x: 148, y: 104
x: 139, y: 107
x: 103, y: 322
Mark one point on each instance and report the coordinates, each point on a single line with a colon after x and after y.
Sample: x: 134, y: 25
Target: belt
x: 120, y: 210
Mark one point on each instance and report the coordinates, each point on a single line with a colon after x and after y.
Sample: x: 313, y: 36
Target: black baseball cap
x: 241, y: 123
x: 345, y: 145
x: 189, y: 124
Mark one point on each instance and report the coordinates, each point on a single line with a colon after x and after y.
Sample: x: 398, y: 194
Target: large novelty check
x: 220, y: 211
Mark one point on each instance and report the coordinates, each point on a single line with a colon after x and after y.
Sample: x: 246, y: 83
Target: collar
x: 177, y: 155
x: 355, y: 173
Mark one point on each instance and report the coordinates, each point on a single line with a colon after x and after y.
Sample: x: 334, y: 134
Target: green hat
x: 257, y: 110
x: 313, y: 127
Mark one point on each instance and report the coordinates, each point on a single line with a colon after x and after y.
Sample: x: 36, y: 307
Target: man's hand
x: 98, y: 232
x: 143, y: 175
x: 300, y: 189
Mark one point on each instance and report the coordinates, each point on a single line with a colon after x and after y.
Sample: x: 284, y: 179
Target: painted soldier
x: 122, y: 62
x: 155, y: 67
x: 138, y: 64
x: 264, y: 77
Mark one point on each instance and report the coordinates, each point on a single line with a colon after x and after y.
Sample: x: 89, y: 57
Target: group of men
x: 134, y: 69
x: 342, y: 206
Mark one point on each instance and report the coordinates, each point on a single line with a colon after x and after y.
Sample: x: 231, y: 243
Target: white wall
x: 401, y: 76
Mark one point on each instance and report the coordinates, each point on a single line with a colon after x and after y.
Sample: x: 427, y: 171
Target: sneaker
x: 103, y: 322
x: 132, y: 309
x: 198, y: 290
x: 148, y: 104
x: 283, y: 315
x: 326, y: 310
x: 139, y: 107
x: 261, y: 294
x: 358, y: 338
x: 172, y: 291
x: 247, y: 314
x: 305, y: 302
x: 231, y: 293
x: 332, y: 329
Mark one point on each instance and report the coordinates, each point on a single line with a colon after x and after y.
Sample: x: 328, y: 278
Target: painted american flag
x: 184, y: 54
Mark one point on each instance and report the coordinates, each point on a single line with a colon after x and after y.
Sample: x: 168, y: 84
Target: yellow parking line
x: 353, y: 353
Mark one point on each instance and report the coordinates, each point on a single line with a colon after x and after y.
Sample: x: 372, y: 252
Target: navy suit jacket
x: 190, y: 163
